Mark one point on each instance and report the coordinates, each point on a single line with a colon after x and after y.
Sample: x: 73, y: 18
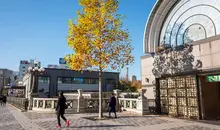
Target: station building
x: 181, y: 62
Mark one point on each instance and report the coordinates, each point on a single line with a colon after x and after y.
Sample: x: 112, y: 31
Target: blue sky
x: 37, y: 29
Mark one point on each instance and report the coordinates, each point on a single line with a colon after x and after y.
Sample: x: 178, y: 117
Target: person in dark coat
x: 60, y: 109
x: 112, y: 105
x: 1, y: 100
x: 4, y: 100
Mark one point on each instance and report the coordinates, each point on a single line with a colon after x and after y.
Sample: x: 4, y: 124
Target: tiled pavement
x: 12, y: 119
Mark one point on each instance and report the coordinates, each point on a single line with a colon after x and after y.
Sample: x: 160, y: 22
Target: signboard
x: 213, y: 78
x: 62, y: 61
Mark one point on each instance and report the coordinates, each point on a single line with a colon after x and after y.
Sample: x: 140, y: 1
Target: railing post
x: 52, y: 104
x: 37, y: 103
x: 81, y: 101
x: 131, y: 105
x: 117, y: 96
x: 44, y: 104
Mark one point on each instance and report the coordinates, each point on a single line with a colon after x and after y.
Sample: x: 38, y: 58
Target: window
x: 91, y: 81
x: 110, y: 81
x: 64, y: 80
x: 87, y: 81
x: 191, y: 20
x: 43, y: 79
x: 78, y: 80
x: 94, y: 81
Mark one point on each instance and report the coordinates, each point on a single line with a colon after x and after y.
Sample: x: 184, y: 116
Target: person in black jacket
x: 4, y: 100
x: 60, y: 109
x: 112, y: 105
x: 1, y: 100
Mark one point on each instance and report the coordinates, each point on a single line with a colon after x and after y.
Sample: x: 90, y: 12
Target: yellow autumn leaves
x: 97, y: 37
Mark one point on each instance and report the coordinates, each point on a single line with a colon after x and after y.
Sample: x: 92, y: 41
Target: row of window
x: 43, y: 79
x: 68, y: 80
x: 63, y: 80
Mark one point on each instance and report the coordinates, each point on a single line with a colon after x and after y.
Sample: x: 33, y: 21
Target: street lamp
x: 34, y: 71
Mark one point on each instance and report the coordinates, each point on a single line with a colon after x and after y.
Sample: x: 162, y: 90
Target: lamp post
x: 34, y: 71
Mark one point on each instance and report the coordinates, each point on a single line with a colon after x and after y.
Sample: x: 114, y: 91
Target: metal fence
x: 21, y: 103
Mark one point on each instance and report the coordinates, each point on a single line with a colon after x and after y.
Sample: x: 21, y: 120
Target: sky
x: 32, y: 29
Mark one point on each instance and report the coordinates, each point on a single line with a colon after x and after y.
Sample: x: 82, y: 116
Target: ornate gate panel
x: 178, y: 96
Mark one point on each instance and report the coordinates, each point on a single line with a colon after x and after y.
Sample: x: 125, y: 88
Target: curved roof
x: 155, y: 22
x: 176, y: 22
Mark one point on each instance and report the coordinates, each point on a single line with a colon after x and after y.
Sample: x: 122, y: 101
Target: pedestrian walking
x: 4, y: 100
x: 1, y: 101
x: 112, y: 105
x: 60, y: 109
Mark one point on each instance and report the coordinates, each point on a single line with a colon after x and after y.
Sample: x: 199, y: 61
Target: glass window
x: 64, y: 80
x: 43, y: 79
x: 94, y: 81
x: 111, y: 82
x: 87, y: 81
x: 91, y: 81
x: 78, y: 80
x: 204, y: 14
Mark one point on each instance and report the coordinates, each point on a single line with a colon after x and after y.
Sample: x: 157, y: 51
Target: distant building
x: 53, y: 66
x: 133, y: 78
x: 54, y: 80
x: 6, y: 78
x: 23, y: 67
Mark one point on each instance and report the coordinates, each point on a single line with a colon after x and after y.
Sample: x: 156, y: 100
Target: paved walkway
x: 12, y: 119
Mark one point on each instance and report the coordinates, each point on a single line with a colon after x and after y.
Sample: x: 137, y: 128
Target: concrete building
x: 23, y: 67
x: 54, y: 80
x: 6, y: 78
x: 181, y: 62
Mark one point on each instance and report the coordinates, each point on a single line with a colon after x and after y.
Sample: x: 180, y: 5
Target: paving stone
x: 192, y: 127
x: 140, y: 121
x: 12, y: 119
x: 12, y: 127
x: 7, y: 120
x: 75, y: 124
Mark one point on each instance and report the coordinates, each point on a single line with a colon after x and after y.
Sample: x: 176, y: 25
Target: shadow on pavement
x: 101, y: 126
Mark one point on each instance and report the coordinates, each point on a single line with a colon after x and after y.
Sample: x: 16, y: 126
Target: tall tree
x: 98, y: 40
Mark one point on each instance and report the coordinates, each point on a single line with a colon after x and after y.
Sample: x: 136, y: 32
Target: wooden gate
x: 178, y: 96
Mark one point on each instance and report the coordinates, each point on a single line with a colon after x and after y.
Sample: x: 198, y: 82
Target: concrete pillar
x: 143, y: 102
x: 81, y: 101
x: 117, y: 96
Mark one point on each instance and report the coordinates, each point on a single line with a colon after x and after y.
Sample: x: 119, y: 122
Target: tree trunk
x: 100, y: 95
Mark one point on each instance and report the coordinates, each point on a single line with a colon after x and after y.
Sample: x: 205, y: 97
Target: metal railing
x: 21, y: 103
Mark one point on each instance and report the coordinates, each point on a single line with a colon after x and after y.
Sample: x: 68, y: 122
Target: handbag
x: 66, y: 106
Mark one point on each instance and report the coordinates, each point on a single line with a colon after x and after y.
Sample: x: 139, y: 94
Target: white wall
x: 146, y: 72
x: 208, y: 51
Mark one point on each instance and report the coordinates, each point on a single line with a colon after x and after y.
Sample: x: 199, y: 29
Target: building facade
x: 54, y: 80
x: 23, y: 67
x: 7, y: 77
x: 181, y: 66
